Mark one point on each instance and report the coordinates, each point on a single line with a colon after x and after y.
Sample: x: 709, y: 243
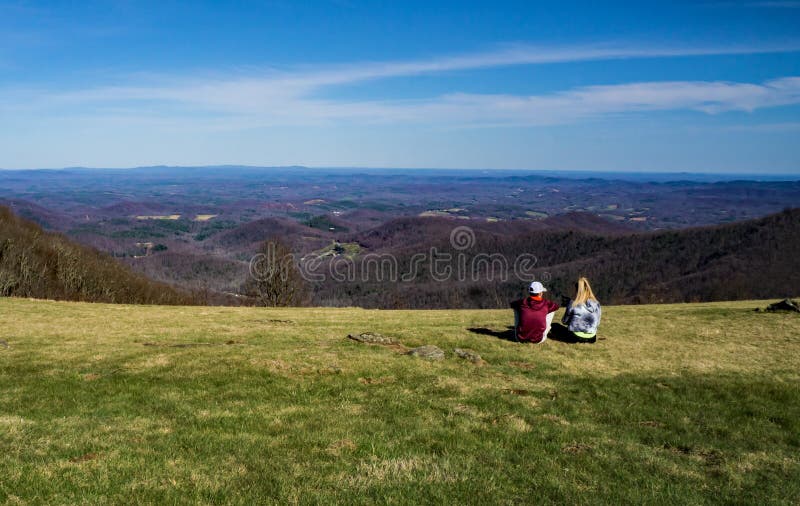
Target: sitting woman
x: 582, y: 316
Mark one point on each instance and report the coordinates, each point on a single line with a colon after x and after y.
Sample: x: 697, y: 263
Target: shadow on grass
x: 561, y: 333
x: 506, y: 335
x: 558, y: 333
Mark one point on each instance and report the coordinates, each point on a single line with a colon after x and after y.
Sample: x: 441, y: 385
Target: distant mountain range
x: 751, y: 259
x: 643, y: 238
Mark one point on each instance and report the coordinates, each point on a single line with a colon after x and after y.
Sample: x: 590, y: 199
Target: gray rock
x: 469, y: 355
x: 428, y: 352
x: 3, y: 344
x: 373, y: 338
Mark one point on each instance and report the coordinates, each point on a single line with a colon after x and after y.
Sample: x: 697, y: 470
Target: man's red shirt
x: 531, y: 317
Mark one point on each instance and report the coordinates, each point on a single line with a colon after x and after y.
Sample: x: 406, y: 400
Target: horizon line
x: 385, y: 168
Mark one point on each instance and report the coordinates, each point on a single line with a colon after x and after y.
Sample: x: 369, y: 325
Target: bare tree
x: 275, y: 279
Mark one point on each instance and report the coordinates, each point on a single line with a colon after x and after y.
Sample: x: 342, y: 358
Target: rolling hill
x: 246, y: 238
x: 755, y: 258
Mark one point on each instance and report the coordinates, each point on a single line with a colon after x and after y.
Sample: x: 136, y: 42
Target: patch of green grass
x: 683, y: 404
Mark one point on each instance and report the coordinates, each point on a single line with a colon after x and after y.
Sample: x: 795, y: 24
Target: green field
x: 678, y: 404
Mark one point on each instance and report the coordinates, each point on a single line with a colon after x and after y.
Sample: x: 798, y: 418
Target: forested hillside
x: 750, y: 259
x: 34, y: 263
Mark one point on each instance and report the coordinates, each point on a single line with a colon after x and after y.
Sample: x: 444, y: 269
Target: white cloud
x: 277, y: 98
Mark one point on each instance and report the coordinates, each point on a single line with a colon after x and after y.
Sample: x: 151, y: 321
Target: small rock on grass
x: 373, y: 338
x: 3, y: 344
x: 469, y: 355
x: 428, y: 352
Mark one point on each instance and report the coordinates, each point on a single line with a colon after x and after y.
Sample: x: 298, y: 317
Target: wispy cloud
x: 292, y: 97
x: 788, y: 126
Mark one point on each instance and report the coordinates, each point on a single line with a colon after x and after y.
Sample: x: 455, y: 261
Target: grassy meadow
x: 677, y: 404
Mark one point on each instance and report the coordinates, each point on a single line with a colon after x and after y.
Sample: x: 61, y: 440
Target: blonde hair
x: 584, y: 292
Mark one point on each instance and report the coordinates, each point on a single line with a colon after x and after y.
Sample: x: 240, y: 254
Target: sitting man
x: 533, y: 315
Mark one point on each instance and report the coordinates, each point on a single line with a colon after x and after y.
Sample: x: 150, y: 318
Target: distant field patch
x: 434, y: 213
x: 205, y: 217
x: 159, y: 217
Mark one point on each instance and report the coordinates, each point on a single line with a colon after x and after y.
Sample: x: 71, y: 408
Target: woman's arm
x: 567, y: 314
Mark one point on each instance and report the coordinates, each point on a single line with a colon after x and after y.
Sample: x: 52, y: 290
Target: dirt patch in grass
x: 343, y: 445
x: 679, y: 449
x: 272, y: 321
x: 189, y: 345
x: 513, y: 422
x: 527, y: 366
x: 516, y: 391
x: 86, y: 457
x: 398, y: 348
x: 710, y: 457
x: 555, y: 419
x: 331, y: 369
x: 713, y: 458
x: 576, y: 448
x: 403, y: 470
x: 377, y: 381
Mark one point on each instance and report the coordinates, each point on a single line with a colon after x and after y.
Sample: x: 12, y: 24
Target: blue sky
x: 675, y: 86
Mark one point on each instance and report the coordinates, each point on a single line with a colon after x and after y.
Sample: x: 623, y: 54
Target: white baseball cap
x: 536, y: 287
